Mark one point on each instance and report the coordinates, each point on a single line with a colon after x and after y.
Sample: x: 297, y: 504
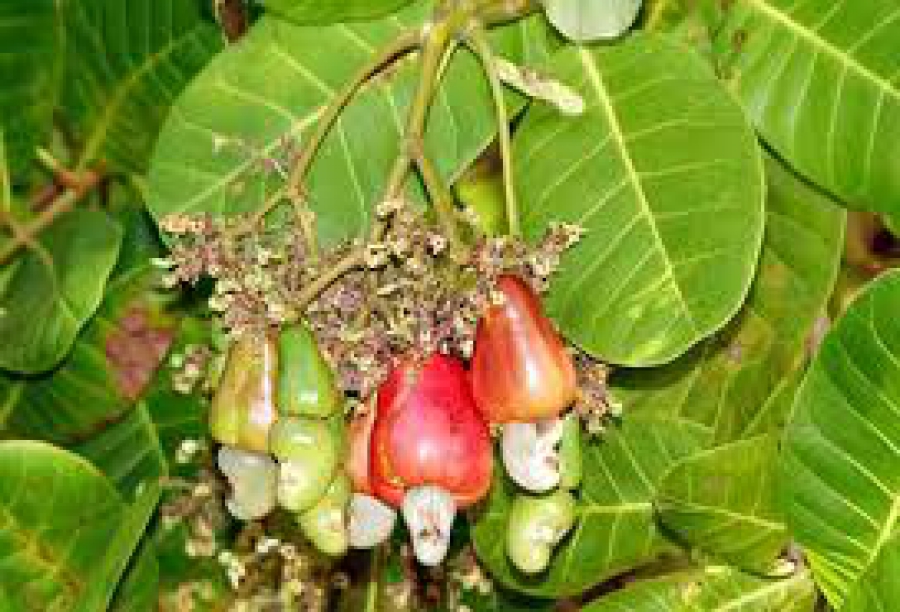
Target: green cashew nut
x: 326, y: 523
x: 308, y: 456
x: 570, y: 453
x: 306, y: 385
x: 536, y: 525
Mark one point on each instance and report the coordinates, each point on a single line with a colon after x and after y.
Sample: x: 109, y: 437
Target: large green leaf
x: 821, y: 80
x: 112, y: 361
x: 665, y: 175
x: 66, y: 534
x: 722, y: 501
x: 120, y: 546
x: 879, y: 589
x: 329, y: 11
x: 127, y: 62
x: 714, y: 589
x: 261, y: 97
x: 724, y: 382
x: 31, y: 64
x: 615, y: 529
x: 54, y: 289
x: 842, y: 447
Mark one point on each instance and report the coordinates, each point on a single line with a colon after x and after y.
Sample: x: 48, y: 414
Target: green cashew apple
x: 243, y: 408
x: 306, y: 384
x: 308, y: 453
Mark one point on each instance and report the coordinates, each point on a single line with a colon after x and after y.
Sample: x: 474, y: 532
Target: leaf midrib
x: 596, y: 81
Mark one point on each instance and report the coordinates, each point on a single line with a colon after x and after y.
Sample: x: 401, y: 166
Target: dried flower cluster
x: 411, y: 295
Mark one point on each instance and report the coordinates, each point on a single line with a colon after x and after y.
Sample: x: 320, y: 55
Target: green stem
x: 293, y: 189
x: 479, y: 44
x: 441, y: 198
x: 374, y: 579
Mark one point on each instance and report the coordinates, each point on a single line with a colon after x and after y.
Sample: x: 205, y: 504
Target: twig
x: 478, y: 42
x: 25, y: 236
x: 232, y: 17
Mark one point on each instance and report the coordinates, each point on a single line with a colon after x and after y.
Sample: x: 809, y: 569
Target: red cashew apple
x: 430, y: 449
x: 359, y: 434
x: 521, y: 370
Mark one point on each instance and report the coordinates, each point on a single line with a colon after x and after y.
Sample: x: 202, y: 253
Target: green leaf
x: 65, y: 531
x: 329, y: 11
x: 722, y: 501
x: 142, y: 444
x: 31, y: 38
x: 893, y: 224
x: 725, y: 382
x: 259, y: 99
x: 55, y: 289
x: 590, y: 20
x: 839, y: 475
x: 139, y: 589
x: 713, y: 589
x: 821, y: 82
x: 666, y: 177
x: 127, y: 62
x: 879, y: 589
x: 615, y: 530
x: 120, y: 545
x: 111, y: 364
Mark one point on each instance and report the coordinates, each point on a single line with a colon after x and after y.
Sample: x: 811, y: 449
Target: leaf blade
x: 641, y: 190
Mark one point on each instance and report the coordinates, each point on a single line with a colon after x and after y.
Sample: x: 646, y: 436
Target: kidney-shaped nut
x: 253, y: 478
x: 429, y: 512
x: 325, y: 524
x: 531, y: 455
x: 371, y: 521
x: 536, y: 525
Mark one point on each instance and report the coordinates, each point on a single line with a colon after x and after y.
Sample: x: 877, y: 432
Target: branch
x: 25, y: 236
x: 479, y: 44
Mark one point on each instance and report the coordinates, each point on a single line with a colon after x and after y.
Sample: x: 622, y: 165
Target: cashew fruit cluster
x: 422, y: 448
x: 278, y: 415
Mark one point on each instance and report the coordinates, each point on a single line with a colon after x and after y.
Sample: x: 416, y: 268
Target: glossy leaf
x: 879, y: 588
x: 139, y: 589
x: 54, y: 290
x: 329, y: 11
x: 714, y: 589
x: 120, y: 546
x: 31, y: 40
x: 615, y: 528
x: 840, y: 484
x: 722, y: 501
x: 67, y: 533
x: 126, y: 64
x: 725, y: 382
x: 260, y: 99
x: 665, y: 175
x: 821, y: 81
x: 590, y: 20
x: 114, y: 358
